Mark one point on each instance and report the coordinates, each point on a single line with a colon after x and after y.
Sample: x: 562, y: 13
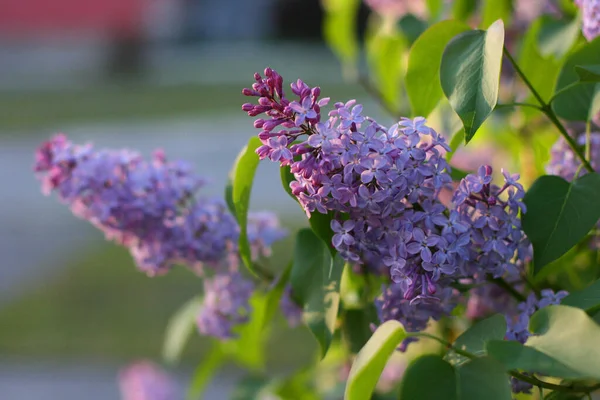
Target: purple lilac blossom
x: 591, y: 17
x: 150, y: 207
x: 518, y: 323
x: 144, y: 380
x: 564, y: 163
x: 290, y: 310
x: 226, y: 305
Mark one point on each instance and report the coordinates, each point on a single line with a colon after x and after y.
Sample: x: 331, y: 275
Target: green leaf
x: 315, y: 280
x: 530, y: 59
x: 319, y: 223
x: 572, y: 100
x: 340, y: 31
x: 356, y: 326
x: 515, y: 356
x: 435, y: 8
x: 179, y: 329
x: 496, y: 9
x: 371, y: 360
x: 463, y: 9
x: 587, y: 299
x: 205, y: 371
x: 274, y: 295
x: 417, y: 384
x: 458, y: 174
x: 559, y: 214
x: 588, y: 73
x: 411, y: 27
x: 243, y: 176
x: 568, y: 335
x: 423, y: 74
x: 470, y: 74
x: 483, y: 378
x: 384, y: 54
x: 455, y: 143
x: 556, y: 37
x: 474, y: 339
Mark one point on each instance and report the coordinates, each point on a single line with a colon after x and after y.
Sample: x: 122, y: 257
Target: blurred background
x: 141, y: 74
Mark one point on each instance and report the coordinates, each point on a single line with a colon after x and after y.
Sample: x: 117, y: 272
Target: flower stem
x: 547, y: 110
x: 506, y: 286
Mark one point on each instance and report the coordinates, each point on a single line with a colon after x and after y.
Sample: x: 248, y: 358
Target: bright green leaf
x: 463, y: 9
x: 315, y: 279
x: 572, y: 100
x: 340, y: 31
x: 559, y: 214
x: 515, y: 356
x: 179, y: 329
x: 417, y: 382
x: 423, y: 74
x: 588, y: 73
x: 474, y: 339
x: 496, y: 9
x: 385, y: 48
x: 208, y: 366
x: 470, y: 74
x: 371, y: 360
x: 556, y: 37
x: 483, y: 378
x: 243, y: 176
x: 568, y: 335
x: 587, y: 299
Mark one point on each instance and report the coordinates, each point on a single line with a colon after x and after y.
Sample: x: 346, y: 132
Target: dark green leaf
x: 474, y: 339
x: 573, y: 101
x: 515, y: 356
x: 208, y: 366
x: 315, y: 280
x: 556, y: 37
x: 274, y: 295
x: 179, y: 329
x: 371, y: 360
x: 463, y: 9
x: 470, y: 74
x: 458, y: 174
x: 496, y: 9
x: 356, y: 326
x: 411, y: 27
x: 483, y: 378
x: 417, y: 382
x: 588, y: 73
x: 559, y: 214
x: 568, y: 335
x: 340, y: 33
x: 229, y: 196
x: 587, y: 299
x: 423, y: 74
x: 243, y: 176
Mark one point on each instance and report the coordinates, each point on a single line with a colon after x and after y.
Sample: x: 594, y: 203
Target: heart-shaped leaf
x: 559, y: 214
x: 470, y: 74
x: 587, y: 299
x: 315, y: 279
x: 474, y: 339
x: 483, y: 378
x: 371, y: 360
x: 423, y: 74
x: 568, y: 335
x: 515, y: 356
x: 588, y: 73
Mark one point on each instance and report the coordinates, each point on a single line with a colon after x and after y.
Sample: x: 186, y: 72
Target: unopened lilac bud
x: 247, y: 107
x: 259, y: 123
x: 257, y: 77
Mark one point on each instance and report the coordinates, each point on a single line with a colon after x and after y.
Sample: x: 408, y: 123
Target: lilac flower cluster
x: 226, y: 305
x: 564, y: 163
x: 152, y: 209
x: 144, y: 380
x: 517, y: 324
x: 591, y: 17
